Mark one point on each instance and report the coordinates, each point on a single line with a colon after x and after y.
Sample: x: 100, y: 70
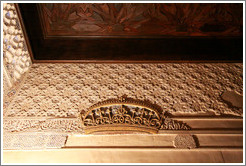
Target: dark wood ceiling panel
x: 142, y: 19
x: 134, y: 32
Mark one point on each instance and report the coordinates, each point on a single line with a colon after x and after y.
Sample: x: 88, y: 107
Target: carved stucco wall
x: 49, y: 97
x: 16, y: 58
x: 52, y: 95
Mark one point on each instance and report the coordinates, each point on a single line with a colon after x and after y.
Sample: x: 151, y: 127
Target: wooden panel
x: 150, y: 140
x: 220, y: 140
x: 177, y: 43
x: 136, y: 19
x: 126, y: 140
x: 126, y: 155
x: 212, y: 123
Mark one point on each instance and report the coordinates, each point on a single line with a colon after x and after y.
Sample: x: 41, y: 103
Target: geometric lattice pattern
x: 33, y: 141
x: 62, y: 90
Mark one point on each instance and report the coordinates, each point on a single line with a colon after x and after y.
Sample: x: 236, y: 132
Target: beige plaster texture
x: 233, y: 98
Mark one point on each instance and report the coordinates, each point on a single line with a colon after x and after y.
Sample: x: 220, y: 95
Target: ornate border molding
x: 127, y: 114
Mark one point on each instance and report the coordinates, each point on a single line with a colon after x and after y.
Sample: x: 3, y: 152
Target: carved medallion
x: 127, y: 114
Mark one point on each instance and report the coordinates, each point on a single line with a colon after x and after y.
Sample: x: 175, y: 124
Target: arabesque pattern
x: 127, y: 114
x: 62, y: 90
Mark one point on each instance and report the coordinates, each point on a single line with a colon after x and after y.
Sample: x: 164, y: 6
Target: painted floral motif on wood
x: 187, y: 19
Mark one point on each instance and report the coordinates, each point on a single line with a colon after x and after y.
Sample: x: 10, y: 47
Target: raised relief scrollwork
x: 127, y: 114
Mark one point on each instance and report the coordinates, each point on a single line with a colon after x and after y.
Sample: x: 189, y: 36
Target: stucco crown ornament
x: 127, y: 114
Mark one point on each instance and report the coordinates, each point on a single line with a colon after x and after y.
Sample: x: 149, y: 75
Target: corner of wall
x: 16, y: 58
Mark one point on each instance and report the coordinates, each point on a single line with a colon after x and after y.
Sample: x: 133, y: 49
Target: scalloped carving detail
x: 127, y: 114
